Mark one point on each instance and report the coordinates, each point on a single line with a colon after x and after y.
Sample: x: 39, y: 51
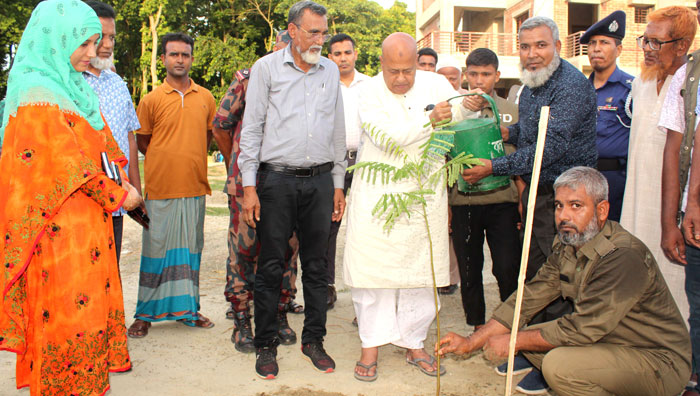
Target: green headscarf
x: 42, y: 72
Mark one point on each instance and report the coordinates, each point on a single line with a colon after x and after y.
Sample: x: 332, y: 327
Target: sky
x: 388, y: 3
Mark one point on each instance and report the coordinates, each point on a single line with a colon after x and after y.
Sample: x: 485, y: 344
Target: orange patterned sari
x: 62, y: 310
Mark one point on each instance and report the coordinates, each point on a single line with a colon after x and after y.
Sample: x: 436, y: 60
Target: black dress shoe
x: 447, y: 290
x: 332, y: 296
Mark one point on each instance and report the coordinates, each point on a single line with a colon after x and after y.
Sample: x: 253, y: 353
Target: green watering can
x: 482, y: 138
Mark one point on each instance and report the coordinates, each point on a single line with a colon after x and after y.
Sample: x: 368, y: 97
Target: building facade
x: 455, y: 27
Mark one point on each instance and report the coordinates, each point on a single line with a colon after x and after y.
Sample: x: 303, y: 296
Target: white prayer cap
x: 448, y: 61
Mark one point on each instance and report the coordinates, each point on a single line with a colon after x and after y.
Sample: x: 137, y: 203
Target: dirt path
x: 178, y: 360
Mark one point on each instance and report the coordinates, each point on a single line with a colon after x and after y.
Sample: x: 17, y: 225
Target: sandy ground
x: 177, y: 360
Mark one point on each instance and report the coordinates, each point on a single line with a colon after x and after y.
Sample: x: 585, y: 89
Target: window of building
x: 641, y: 13
x: 520, y: 19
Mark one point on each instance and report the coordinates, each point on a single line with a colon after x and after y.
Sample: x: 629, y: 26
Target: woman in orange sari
x: 61, y: 309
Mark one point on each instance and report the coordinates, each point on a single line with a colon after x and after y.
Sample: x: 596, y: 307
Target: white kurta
x: 641, y: 206
x: 394, y: 316
x: 399, y: 259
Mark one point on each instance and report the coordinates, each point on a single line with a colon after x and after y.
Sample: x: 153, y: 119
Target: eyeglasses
x: 316, y: 35
x: 654, y: 44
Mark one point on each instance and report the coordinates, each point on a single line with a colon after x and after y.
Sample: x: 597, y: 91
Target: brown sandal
x: 202, y: 322
x: 138, y: 329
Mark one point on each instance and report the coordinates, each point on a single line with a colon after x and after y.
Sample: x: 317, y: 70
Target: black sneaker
x: 520, y: 366
x: 319, y: 358
x: 285, y: 333
x: 242, y: 336
x: 266, y: 362
x: 533, y: 384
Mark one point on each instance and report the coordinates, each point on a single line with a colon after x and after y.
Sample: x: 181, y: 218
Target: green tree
x: 355, y: 17
x: 229, y: 34
x: 13, y: 18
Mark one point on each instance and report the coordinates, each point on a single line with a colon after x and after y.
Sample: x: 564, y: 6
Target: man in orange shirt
x: 176, y: 122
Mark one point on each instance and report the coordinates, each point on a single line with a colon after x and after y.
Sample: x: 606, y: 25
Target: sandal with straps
x: 203, y: 322
x: 429, y: 362
x: 138, y: 329
x: 295, y: 308
x: 368, y: 367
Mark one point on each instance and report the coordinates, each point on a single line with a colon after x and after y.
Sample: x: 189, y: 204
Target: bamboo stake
x: 537, y: 166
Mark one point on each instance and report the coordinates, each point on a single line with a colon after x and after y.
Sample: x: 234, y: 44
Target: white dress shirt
x: 353, y: 127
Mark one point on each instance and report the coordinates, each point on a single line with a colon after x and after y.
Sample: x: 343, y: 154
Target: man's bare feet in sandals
x: 366, y: 367
x: 202, y: 322
x: 424, y: 362
x: 138, y: 329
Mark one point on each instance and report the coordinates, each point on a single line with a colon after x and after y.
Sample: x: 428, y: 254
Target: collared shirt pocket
x: 568, y: 289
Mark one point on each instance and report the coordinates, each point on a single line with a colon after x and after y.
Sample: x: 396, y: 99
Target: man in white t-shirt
x: 679, y: 194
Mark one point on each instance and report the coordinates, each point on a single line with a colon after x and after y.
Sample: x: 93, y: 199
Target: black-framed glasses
x: 316, y: 35
x: 653, y: 44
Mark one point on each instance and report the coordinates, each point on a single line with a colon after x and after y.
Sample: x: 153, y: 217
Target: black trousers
x: 335, y: 227
x: 543, y: 232
x: 498, y: 223
x: 616, y: 192
x: 118, y: 226
x: 543, y: 228
x: 288, y: 203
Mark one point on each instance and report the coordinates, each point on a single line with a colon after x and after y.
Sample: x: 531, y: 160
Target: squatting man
x: 624, y: 336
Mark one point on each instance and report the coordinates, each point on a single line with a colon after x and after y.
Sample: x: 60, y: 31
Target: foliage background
x: 229, y: 34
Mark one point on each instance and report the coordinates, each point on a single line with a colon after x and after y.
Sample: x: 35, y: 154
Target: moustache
x: 569, y: 224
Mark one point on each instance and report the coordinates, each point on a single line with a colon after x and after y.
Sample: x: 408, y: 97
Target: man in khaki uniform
x: 493, y: 214
x: 625, y: 335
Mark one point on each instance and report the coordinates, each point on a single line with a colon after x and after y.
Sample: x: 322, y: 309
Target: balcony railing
x: 573, y: 47
x: 503, y: 44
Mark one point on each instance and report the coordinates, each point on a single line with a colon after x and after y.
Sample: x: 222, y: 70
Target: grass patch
x: 216, y: 175
x: 216, y: 211
x: 217, y: 184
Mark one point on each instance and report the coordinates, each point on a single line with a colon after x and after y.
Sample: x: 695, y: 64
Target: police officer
x: 612, y: 87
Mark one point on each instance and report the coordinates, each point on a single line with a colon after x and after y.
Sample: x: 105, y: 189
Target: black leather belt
x: 296, y: 172
x: 610, y: 164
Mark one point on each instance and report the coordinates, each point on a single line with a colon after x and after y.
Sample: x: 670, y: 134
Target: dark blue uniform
x: 613, y: 132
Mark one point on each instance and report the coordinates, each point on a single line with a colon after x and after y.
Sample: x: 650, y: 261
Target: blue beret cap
x: 612, y: 25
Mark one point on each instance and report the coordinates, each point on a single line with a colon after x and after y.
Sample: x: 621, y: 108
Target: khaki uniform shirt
x: 619, y: 298
x: 509, y: 116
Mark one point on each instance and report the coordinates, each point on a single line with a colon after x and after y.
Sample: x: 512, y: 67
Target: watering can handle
x: 492, y: 104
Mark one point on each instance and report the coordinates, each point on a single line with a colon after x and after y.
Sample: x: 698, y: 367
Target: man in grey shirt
x: 292, y: 163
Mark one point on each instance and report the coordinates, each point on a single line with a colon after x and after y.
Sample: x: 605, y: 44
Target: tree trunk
x: 144, y: 77
x: 223, y: 82
x: 154, y: 45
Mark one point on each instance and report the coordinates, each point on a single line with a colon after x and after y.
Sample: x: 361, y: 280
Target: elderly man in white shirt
x: 389, y: 273
x: 342, y: 51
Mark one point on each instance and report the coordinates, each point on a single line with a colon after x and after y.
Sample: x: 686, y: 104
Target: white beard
x: 578, y: 239
x: 309, y: 57
x: 101, y: 63
x: 537, y: 78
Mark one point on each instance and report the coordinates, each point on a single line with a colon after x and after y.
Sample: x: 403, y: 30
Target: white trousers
x: 393, y: 316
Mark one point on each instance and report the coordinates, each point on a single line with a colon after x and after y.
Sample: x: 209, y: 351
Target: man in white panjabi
x: 389, y: 272
x: 664, y: 53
